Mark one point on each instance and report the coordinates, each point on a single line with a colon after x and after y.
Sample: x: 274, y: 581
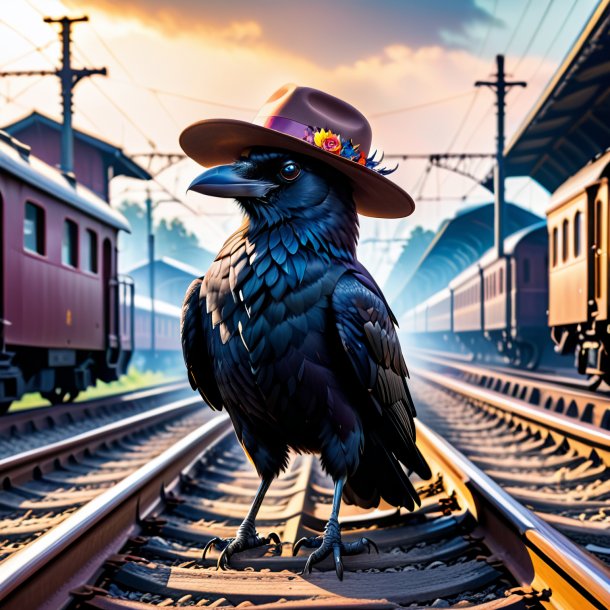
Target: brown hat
x: 310, y: 122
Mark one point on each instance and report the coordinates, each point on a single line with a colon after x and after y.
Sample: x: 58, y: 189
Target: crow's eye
x: 290, y: 171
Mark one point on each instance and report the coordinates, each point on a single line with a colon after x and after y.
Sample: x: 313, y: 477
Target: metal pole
x: 500, y: 86
x: 499, y: 207
x: 65, y: 76
x: 151, y: 270
x: 68, y: 77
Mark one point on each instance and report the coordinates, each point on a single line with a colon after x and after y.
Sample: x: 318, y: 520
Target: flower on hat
x: 328, y: 141
x: 343, y: 147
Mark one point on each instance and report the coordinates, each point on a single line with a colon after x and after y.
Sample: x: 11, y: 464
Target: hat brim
x: 218, y: 141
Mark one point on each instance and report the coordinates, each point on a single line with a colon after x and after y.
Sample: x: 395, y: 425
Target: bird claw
x: 309, y: 542
x: 331, y: 543
x: 240, y: 543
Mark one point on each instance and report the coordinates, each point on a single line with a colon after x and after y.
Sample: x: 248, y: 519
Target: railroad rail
x: 33, y: 428
x: 564, y: 395
x: 44, y: 485
x: 555, y: 464
x: 41, y: 417
x: 469, y: 543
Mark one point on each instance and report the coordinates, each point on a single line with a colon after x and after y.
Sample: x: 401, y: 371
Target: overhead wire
x: 443, y: 100
x: 475, y: 94
x: 528, y: 46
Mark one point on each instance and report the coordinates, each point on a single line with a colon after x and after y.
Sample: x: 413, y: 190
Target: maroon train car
x: 167, y: 352
x: 66, y: 316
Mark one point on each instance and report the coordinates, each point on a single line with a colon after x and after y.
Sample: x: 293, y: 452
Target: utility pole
x: 151, y: 270
x: 501, y: 87
x: 68, y: 77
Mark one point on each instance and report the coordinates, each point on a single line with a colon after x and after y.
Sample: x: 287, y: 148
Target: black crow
x: 291, y: 335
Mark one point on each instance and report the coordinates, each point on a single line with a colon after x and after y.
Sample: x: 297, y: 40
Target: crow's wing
x: 196, y: 347
x: 367, y: 332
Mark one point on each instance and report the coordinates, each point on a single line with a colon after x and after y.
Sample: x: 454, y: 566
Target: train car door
x: 599, y: 194
x: 109, y: 290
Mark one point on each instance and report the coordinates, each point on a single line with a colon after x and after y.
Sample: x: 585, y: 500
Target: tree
x: 172, y: 238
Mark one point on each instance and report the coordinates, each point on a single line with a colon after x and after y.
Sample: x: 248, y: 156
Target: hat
x: 309, y: 122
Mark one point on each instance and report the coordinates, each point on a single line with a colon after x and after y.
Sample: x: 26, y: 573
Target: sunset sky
x: 408, y: 65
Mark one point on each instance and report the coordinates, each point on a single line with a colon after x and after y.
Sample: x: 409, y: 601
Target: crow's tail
x: 389, y: 451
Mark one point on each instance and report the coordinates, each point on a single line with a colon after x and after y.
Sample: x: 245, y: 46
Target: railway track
x: 30, y: 429
x: 570, y: 396
x: 469, y: 545
x: 554, y: 463
x: 44, y: 485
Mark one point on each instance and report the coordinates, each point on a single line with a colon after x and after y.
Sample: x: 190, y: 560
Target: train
x: 552, y: 281
x: 166, y: 353
x: 65, y: 311
x: 67, y: 317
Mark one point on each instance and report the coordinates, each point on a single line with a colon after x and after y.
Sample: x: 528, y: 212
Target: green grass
x: 133, y: 380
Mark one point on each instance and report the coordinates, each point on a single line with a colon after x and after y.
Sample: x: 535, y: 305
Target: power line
x: 550, y: 46
x: 422, y: 105
x: 535, y: 34
x: 37, y: 49
x: 484, y: 42
x: 69, y: 78
x: 149, y: 140
x: 518, y: 26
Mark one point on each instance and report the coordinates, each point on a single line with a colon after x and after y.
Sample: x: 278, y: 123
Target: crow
x: 291, y: 335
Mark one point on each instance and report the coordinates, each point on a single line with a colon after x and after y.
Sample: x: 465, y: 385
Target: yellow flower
x: 328, y: 141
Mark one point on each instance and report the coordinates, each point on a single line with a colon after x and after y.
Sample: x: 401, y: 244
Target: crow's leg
x: 331, y: 541
x: 247, y: 537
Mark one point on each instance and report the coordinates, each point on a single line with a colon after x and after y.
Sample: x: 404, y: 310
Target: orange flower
x: 328, y: 141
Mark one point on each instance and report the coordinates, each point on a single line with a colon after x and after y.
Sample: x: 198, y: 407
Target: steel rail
x: 40, y: 414
x: 23, y: 465
x: 571, y: 428
x: 540, y: 388
x: 43, y: 573
x: 537, y: 555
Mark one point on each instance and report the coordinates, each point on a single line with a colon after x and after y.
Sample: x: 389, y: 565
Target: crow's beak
x: 224, y: 181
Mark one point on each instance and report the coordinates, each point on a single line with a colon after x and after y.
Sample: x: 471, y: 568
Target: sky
x: 408, y: 65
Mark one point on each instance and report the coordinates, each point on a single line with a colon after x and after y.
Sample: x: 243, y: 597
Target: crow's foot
x: 246, y: 538
x: 331, y: 543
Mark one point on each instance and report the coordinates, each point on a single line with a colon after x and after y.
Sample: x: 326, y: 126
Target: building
x: 171, y: 278
x: 96, y: 162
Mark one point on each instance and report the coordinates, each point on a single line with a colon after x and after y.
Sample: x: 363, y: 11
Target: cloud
x: 329, y: 33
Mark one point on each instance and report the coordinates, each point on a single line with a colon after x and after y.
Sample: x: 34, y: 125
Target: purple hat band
x: 287, y: 126
x: 308, y: 133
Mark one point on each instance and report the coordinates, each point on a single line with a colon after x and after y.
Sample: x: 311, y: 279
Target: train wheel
x: 60, y: 395
x: 529, y: 355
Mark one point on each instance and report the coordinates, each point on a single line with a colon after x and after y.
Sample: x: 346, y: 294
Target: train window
x: 554, y: 247
x: 501, y: 282
x: 577, y: 233
x: 33, y: 228
x: 69, y: 244
x: 526, y: 271
x: 564, y: 241
x: 89, y: 251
